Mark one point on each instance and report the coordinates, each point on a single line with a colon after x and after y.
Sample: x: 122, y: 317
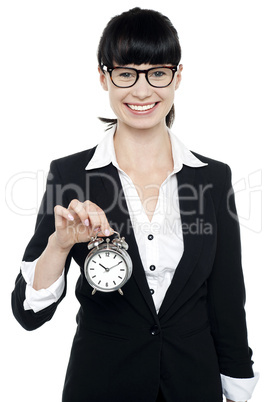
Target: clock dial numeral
x: 104, y: 273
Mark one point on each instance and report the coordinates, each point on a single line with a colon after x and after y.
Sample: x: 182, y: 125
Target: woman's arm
x: 226, y: 290
x: 226, y: 299
x: 57, y: 229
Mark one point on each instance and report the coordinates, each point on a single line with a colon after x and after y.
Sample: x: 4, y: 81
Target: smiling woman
x: 146, y: 38
x: 178, y: 332
x: 147, y: 91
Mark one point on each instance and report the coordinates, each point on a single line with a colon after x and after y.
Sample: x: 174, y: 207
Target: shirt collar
x: 105, y: 153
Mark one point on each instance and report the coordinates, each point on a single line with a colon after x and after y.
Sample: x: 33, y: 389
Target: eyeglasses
x: 126, y: 77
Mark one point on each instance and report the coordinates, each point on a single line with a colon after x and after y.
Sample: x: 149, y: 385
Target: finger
x: 62, y: 215
x: 77, y: 208
x: 98, y: 219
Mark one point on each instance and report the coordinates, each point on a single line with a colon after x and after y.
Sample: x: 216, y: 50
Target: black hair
x: 138, y: 37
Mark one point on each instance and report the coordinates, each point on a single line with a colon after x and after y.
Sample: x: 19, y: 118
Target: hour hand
x: 106, y: 269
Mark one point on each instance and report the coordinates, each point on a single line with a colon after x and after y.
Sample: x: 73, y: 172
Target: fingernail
x: 107, y: 232
x: 86, y: 222
x: 70, y: 217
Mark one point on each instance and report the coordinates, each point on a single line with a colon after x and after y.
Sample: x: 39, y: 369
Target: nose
x: 142, y: 89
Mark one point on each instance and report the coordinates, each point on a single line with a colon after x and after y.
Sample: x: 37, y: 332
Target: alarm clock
x: 108, y: 266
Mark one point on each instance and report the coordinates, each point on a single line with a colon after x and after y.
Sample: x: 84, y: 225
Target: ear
x: 179, y: 76
x: 103, y: 79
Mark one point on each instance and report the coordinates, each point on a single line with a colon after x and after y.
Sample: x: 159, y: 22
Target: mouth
x: 141, y: 108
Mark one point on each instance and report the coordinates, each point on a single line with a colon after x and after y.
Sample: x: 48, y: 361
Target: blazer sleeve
x: 45, y: 226
x: 226, y: 290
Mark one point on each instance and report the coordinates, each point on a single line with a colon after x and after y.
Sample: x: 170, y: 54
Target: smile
x: 141, y: 108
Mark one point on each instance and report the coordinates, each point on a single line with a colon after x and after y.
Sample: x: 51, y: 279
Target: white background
x: 50, y: 99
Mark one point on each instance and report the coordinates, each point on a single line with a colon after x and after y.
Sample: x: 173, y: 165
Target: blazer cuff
x: 239, y: 389
x: 38, y: 300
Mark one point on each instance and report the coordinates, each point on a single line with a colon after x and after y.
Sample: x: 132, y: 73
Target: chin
x: 143, y: 124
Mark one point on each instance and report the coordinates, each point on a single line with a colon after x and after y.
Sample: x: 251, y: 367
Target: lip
x: 138, y: 106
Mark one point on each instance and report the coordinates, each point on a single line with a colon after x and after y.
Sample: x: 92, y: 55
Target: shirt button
x: 152, y: 291
x: 150, y: 237
x: 154, y: 330
x: 152, y: 267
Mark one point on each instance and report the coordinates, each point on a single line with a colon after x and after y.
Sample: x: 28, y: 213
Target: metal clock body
x: 108, y: 266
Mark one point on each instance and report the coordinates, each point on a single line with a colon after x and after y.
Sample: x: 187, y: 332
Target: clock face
x: 106, y: 270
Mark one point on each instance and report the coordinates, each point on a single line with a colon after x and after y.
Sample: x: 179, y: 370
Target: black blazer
x: 123, y: 350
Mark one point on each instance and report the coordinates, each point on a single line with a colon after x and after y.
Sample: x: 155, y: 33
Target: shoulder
x: 71, y: 165
x: 80, y: 158
x: 213, y: 163
x: 215, y: 171
x: 216, y: 176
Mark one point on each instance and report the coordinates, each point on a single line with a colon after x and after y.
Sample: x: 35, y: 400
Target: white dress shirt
x: 160, y: 241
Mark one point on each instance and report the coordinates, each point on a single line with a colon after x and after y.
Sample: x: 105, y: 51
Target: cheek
x: 116, y: 98
x: 168, y: 96
x: 113, y: 101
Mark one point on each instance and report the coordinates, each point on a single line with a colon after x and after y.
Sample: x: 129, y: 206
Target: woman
x: 178, y: 333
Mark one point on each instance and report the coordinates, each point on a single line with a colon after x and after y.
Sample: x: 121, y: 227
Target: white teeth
x: 141, y: 108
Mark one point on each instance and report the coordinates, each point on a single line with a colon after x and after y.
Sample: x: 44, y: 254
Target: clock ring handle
x: 95, y: 241
x: 120, y: 242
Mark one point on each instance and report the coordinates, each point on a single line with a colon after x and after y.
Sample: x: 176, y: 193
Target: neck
x: 142, y: 148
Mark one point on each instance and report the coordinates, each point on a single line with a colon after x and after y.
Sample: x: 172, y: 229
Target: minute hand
x: 116, y: 265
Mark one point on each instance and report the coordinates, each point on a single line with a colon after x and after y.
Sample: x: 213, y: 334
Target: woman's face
x: 155, y: 103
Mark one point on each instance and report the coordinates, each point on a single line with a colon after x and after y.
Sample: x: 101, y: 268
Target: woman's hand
x: 79, y: 222
x: 75, y: 224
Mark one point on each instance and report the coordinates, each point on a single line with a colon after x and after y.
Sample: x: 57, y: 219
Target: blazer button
x: 155, y: 330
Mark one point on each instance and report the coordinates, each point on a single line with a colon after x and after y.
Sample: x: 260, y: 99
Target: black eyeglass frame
x: 146, y: 72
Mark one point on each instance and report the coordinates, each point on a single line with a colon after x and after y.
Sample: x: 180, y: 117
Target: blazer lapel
x: 108, y: 193
x: 189, y: 201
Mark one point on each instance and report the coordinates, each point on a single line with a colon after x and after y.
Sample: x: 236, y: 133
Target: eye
x: 157, y: 73
x: 121, y: 74
x: 160, y: 77
x: 126, y: 75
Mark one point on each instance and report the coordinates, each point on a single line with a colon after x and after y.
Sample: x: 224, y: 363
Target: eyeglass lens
x: 158, y: 77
